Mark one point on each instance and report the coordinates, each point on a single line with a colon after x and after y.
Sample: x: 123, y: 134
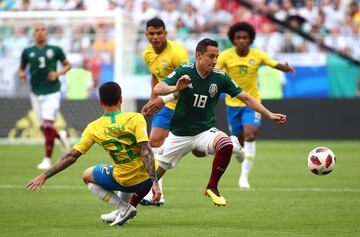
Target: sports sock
x: 50, y: 135
x: 250, y: 150
x: 124, y: 196
x: 107, y: 196
x: 221, y: 160
x: 139, y: 195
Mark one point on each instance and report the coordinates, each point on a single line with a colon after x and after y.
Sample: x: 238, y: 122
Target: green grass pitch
x: 285, y: 199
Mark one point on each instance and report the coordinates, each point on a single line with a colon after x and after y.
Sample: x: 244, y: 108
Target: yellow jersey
x: 119, y: 134
x: 162, y: 64
x: 243, y: 70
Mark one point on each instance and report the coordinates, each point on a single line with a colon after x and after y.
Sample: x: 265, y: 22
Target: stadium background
x: 104, y: 40
x: 103, y: 44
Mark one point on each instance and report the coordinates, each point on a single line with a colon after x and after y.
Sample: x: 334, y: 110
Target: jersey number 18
x: 200, y: 101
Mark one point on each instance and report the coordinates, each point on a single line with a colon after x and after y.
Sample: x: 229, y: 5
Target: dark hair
x: 110, y: 93
x: 241, y: 26
x: 202, y: 45
x: 155, y: 22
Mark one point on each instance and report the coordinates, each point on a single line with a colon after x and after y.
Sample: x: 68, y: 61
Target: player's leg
x: 215, y: 141
x: 100, y: 181
x: 159, y: 131
x: 110, y: 217
x: 38, y: 105
x: 236, y: 129
x: 172, y: 151
x: 139, y: 191
x: 50, y: 108
x: 251, y: 122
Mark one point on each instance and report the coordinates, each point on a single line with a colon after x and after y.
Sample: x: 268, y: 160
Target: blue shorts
x: 103, y: 177
x: 238, y: 117
x: 162, y: 118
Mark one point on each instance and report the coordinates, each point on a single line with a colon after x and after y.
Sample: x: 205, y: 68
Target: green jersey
x: 42, y: 61
x: 195, y: 109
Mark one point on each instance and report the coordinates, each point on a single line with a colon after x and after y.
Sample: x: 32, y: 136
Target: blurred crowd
x: 333, y: 22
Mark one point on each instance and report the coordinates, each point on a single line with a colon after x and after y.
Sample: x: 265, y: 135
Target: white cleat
x: 238, y: 150
x: 124, y: 215
x: 110, y: 217
x: 45, y: 164
x: 64, y: 143
x: 243, y: 183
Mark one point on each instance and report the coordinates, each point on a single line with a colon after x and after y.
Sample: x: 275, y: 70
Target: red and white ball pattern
x: 321, y: 161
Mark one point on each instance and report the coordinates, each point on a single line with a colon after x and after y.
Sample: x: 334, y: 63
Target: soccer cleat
x: 215, y: 196
x: 243, y: 183
x: 124, y: 215
x: 64, y: 143
x: 146, y: 202
x: 238, y: 150
x: 110, y: 217
x: 45, y: 164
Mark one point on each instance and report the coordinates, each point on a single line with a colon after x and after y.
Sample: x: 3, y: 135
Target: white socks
x: 106, y: 196
x: 250, y: 150
x: 124, y: 196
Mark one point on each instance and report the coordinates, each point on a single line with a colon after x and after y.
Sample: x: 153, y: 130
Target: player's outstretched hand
x: 52, y: 76
x: 156, y: 193
x: 183, y: 82
x: 290, y: 68
x: 279, y: 118
x: 152, y: 107
x: 38, y: 182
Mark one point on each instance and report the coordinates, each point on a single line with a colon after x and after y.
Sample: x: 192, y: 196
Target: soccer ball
x: 321, y: 161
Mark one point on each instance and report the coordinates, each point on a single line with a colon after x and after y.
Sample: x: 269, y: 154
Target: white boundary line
x: 330, y: 190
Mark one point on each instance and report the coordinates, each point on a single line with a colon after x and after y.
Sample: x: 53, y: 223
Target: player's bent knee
x: 88, y: 175
x: 224, y: 144
x: 156, y: 143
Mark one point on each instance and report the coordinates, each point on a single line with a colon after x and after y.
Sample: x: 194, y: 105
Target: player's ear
x: 197, y: 54
x: 120, y: 101
x: 101, y: 103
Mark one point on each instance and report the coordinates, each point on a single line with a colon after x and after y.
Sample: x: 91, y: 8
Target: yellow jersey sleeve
x: 86, y: 141
x: 266, y: 60
x: 139, y: 128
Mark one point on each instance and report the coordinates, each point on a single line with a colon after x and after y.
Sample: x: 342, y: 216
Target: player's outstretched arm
x: 258, y: 107
x: 148, y: 159
x: 164, y: 89
x: 65, y: 161
x: 154, y: 106
x: 285, y: 68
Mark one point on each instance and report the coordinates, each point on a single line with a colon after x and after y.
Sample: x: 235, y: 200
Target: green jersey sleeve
x: 231, y: 88
x: 173, y: 77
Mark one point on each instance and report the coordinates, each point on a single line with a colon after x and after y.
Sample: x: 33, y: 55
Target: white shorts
x: 45, y: 106
x: 176, y: 147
